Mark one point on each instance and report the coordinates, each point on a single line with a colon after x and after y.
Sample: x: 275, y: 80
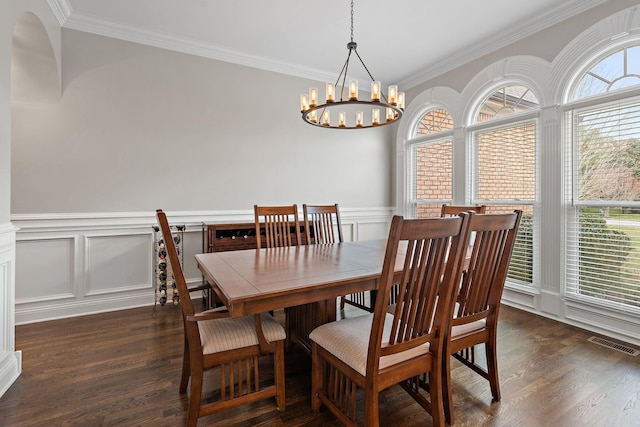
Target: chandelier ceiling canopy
x: 352, y: 112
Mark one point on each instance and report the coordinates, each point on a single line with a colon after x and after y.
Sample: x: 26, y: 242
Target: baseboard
x: 54, y: 311
x: 10, y: 370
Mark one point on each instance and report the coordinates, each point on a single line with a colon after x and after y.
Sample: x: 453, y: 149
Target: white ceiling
x: 404, y: 41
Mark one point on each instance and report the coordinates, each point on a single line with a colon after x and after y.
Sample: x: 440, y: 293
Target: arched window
x: 602, y: 173
x: 504, y: 138
x: 616, y: 71
x: 507, y: 101
x: 431, y: 156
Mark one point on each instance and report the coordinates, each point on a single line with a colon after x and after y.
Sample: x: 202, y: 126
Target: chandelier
x: 352, y: 112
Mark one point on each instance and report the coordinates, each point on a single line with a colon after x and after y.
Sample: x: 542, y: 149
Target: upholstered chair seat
x: 348, y: 340
x: 228, y: 333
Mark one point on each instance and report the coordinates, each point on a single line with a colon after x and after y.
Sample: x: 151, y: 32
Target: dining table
x: 304, y: 280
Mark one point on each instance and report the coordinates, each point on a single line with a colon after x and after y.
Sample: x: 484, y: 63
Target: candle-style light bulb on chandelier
x: 352, y: 112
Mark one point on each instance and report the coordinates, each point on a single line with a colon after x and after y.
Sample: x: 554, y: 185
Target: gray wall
x: 139, y: 128
x: 124, y: 129
x: 545, y: 44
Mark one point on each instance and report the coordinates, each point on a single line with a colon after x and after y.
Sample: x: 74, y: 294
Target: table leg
x: 302, y: 319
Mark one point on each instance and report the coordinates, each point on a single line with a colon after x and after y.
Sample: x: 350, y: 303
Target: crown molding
x: 493, y: 44
x: 91, y: 24
x: 74, y: 20
x: 61, y: 10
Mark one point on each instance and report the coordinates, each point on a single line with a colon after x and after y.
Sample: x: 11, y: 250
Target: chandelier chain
x: 352, y: 21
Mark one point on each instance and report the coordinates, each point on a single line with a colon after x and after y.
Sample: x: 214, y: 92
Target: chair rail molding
x: 76, y: 264
x: 10, y: 360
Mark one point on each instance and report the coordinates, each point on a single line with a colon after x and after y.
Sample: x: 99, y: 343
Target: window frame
x: 572, y: 202
x: 471, y: 182
x: 411, y: 202
x: 515, y: 119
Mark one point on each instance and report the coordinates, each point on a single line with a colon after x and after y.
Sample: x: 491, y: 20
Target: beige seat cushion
x: 348, y: 340
x: 231, y: 333
x: 467, y: 328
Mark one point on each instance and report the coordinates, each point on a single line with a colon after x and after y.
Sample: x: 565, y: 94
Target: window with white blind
x: 431, y: 158
x: 603, y: 185
x: 504, y: 139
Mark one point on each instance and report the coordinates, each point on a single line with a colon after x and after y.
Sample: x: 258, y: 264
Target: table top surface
x: 250, y: 281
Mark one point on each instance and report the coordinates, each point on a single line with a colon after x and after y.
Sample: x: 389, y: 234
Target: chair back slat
x: 432, y: 257
x: 323, y: 223
x: 281, y: 226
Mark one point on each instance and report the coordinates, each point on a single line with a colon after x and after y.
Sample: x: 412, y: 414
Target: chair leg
x: 371, y: 409
x: 316, y: 378
x: 436, y: 379
x: 492, y: 366
x: 446, y: 389
x: 195, y: 398
x: 186, y: 368
x: 342, y: 302
x: 278, y: 361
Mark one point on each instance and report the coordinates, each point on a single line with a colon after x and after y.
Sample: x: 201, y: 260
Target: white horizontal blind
x: 504, y: 180
x: 603, y: 220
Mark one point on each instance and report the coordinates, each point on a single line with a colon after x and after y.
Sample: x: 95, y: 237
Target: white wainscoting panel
x: 51, y: 269
x: 519, y: 299
x: 78, y: 264
x: 550, y: 302
x: 192, y: 244
x: 621, y: 326
x: 10, y: 360
x: 371, y: 230
x: 118, y: 262
x: 348, y: 231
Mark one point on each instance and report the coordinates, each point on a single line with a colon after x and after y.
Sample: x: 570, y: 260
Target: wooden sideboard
x: 233, y: 237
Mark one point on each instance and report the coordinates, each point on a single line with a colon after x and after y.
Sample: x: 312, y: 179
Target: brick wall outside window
x: 506, y: 160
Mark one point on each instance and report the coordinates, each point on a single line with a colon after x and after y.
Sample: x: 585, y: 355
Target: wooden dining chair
x: 322, y: 223
x: 475, y: 318
x: 445, y: 211
x: 281, y: 226
x: 451, y: 210
x: 375, y: 351
x: 234, y: 345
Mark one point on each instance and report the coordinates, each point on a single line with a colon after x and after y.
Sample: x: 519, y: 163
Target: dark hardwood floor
x: 122, y: 369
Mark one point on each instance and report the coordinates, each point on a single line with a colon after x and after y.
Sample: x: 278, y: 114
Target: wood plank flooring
x: 122, y: 369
